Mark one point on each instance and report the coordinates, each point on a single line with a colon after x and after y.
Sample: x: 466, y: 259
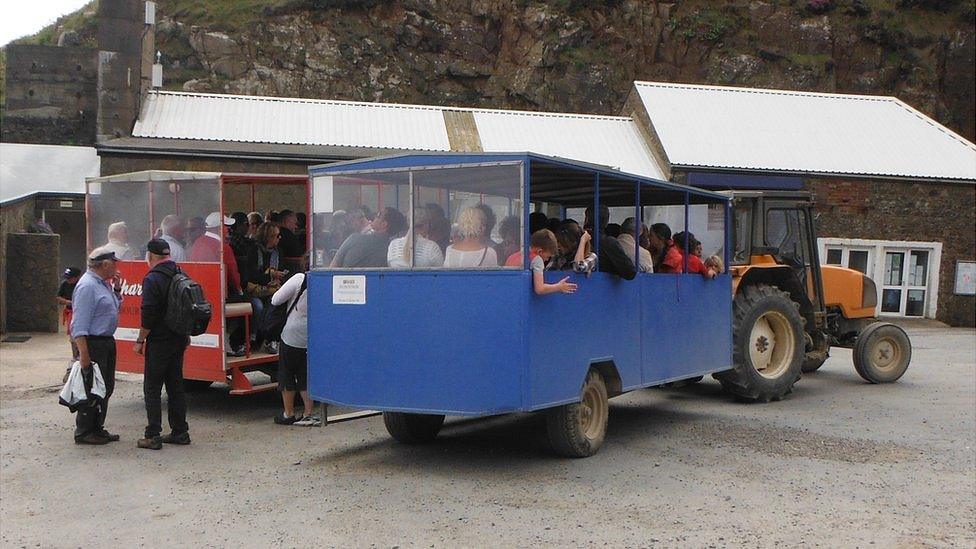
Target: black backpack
x: 187, y: 312
x: 276, y: 316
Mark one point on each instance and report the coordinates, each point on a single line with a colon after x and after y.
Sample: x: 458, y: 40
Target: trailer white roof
x: 29, y: 169
x: 606, y: 140
x: 788, y: 131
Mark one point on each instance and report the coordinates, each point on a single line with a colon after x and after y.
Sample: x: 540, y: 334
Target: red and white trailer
x: 141, y: 200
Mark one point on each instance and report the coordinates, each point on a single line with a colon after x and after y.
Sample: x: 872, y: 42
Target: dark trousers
x: 164, y: 367
x: 91, y: 419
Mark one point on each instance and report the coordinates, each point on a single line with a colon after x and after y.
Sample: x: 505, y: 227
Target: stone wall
x: 902, y: 210
x: 50, y: 95
x: 32, y: 282
x: 14, y: 218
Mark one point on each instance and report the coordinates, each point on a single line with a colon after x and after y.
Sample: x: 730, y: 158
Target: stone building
x: 894, y: 189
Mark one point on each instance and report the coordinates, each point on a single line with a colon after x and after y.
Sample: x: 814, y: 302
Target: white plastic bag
x: 73, y: 395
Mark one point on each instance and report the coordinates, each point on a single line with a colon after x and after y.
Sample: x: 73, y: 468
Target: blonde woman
x: 470, y: 251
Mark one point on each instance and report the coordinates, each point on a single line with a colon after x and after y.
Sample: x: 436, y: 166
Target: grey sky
x: 19, y: 19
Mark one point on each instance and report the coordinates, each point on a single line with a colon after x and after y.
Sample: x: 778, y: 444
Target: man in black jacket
x: 163, y: 349
x: 612, y: 257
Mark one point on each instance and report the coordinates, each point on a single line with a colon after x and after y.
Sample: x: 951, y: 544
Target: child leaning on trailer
x: 542, y: 246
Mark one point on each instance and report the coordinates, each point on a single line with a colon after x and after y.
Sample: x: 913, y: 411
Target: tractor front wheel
x: 882, y: 353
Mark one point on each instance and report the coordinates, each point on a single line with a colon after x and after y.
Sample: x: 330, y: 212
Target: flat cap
x: 158, y: 246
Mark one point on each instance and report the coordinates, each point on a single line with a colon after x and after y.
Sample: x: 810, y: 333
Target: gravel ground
x: 839, y: 463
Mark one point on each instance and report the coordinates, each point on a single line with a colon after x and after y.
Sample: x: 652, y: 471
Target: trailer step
x: 254, y: 389
x: 350, y: 416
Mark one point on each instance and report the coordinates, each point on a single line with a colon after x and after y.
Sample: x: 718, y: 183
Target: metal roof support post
x: 728, y: 235
x: 637, y: 228
x: 411, y: 235
x: 596, y: 217
x: 686, y: 252
x: 526, y: 184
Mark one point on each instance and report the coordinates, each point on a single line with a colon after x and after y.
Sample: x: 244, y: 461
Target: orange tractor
x: 789, y: 310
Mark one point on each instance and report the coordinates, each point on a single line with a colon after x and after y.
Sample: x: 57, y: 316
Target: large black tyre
x: 196, y: 385
x: 882, y: 353
x: 412, y: 428
x: 813, y: 363
x: 767, y: 344
x: 578, y: 429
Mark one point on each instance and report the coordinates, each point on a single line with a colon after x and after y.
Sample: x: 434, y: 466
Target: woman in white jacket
x: 293, y: 355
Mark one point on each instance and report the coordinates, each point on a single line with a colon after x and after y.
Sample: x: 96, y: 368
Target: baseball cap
x: 72, y: 272
x: 158, y: 246
x: 214, y: 220
x: 101, y: 255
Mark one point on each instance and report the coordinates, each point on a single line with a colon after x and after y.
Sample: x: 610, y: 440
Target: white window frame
x: 876, y: 266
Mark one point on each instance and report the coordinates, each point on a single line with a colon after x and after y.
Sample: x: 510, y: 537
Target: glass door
x: 905, y: 285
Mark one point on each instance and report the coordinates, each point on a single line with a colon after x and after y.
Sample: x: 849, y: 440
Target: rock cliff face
x: 573, y: 55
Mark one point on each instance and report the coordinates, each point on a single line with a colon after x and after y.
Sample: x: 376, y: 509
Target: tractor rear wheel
x: 412, y: 428
x: 882, y: 353
x: 767, y: 344
x: 578, y: 429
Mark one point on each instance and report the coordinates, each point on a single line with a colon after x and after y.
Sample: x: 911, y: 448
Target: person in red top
x: 208, y: 247
x: 687, y: 241
x: 667, y: 256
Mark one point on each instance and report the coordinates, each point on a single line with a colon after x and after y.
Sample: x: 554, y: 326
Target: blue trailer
x: 421, y: 342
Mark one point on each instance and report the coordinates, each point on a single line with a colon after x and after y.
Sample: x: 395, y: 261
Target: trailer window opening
x: 451, y: 217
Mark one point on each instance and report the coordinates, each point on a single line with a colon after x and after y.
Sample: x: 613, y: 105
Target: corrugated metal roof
x: 754, y: 129
x: 28, y: 169
x: 606, y: 140
x: 249, y: 119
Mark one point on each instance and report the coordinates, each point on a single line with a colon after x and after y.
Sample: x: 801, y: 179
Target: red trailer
x: 140, y: 201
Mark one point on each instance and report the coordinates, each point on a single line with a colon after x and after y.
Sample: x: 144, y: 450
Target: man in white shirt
x: 172, y: 232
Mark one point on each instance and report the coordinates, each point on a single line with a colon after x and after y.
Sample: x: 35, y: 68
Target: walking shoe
x: 109, y: 436
x: 272, y: 347
x: 154, y: 443
x: 92, y: 438
x: 309, y: 421
x: 182, y: 438
x: 239, y: 351
x: 282, y: 419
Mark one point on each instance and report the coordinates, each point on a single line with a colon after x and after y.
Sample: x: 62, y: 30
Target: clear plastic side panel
x: 180, y: 211
x: 119, y: 218
x: 466, y: 218
x: 356, y: 216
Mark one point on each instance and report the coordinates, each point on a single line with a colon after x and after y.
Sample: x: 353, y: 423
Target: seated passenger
x: 537, y: 222
x: 687, y: 241
x: 366, y: 250
x: 542, y: 246
x: 567, y: 239
x: 511, y: 234
x: 118, y: 241
x: 715, y: 263
x: 263, y: 277
x: 612, y: 259
x: 428, y: 253
x: 171, y: 230
x: 613, y: 230
x: 490, y: 221
x: 438, y: 226
x: 626, y: 239
x: 667, y: 258
x: 291, y: 245
x: 470, y: 249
